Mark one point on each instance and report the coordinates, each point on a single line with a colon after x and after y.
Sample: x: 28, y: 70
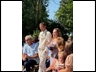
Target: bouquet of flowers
x: 51, y: 46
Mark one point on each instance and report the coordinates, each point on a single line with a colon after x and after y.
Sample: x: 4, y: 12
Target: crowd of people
x: 50, y: 51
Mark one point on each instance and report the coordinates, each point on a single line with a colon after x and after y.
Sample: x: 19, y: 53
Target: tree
x: 37, y: 11
x: 33, y: 12
x: 64, y: 15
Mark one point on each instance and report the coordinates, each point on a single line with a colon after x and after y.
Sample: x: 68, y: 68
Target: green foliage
x: 64, y: 15
x: 29, y: 15
x: 54, y: 24
x: 35, y: 32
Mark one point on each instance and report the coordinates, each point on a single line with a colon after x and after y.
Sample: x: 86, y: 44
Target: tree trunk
x: 37, y: 12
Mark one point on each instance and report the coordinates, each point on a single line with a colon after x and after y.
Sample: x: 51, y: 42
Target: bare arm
x: 24, y: 56
x: 38, y: 38
x: 48, y: 57
x: 54, y: 66
x: 34, y: 56
x: 65, y: 70
x: 49, y: 68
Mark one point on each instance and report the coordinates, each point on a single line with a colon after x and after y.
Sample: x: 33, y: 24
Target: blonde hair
x: 60, y: 43
x: 64, y: 54
x: 58, y: 31
x: 28, y: 36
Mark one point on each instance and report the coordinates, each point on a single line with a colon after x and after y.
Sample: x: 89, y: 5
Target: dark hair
x: 35, y: 38
x: 43, y: 23
x: 69, y: 47
x: 65, y: 37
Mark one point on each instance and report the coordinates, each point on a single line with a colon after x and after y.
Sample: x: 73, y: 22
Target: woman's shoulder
x: 69, y: 61
x: 71, y: 55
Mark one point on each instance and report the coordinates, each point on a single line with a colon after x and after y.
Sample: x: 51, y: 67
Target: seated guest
x: 30, y: 52
x: 52, y: 46
x: 60, y: 43
x: 69, y: 60
x: 60, y: 62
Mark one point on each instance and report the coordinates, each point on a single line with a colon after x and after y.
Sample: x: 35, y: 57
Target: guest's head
x: 42, y: 26
x: 35, y: 38
x: 70, y: 38
x: 62, y: 56
x: 28, y: 39
x: 69, y: 47
x: 65, y: 37
x: 56, y: 33
x: 60, y: 43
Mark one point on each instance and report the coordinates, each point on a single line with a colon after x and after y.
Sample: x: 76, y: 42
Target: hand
x: 26, y: 56
x: 58, y: 68
x: 45, y: 51
x: 24, y: 59
x: 53, y: 70
x: 48, y: 57
x: 47, y: 70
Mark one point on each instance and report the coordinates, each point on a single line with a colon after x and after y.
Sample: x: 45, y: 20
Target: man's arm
x: 24, y: 53
x: 49, y: 38
x: 24, y: 50
x: 34, y: 56
x: 39, y: 36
